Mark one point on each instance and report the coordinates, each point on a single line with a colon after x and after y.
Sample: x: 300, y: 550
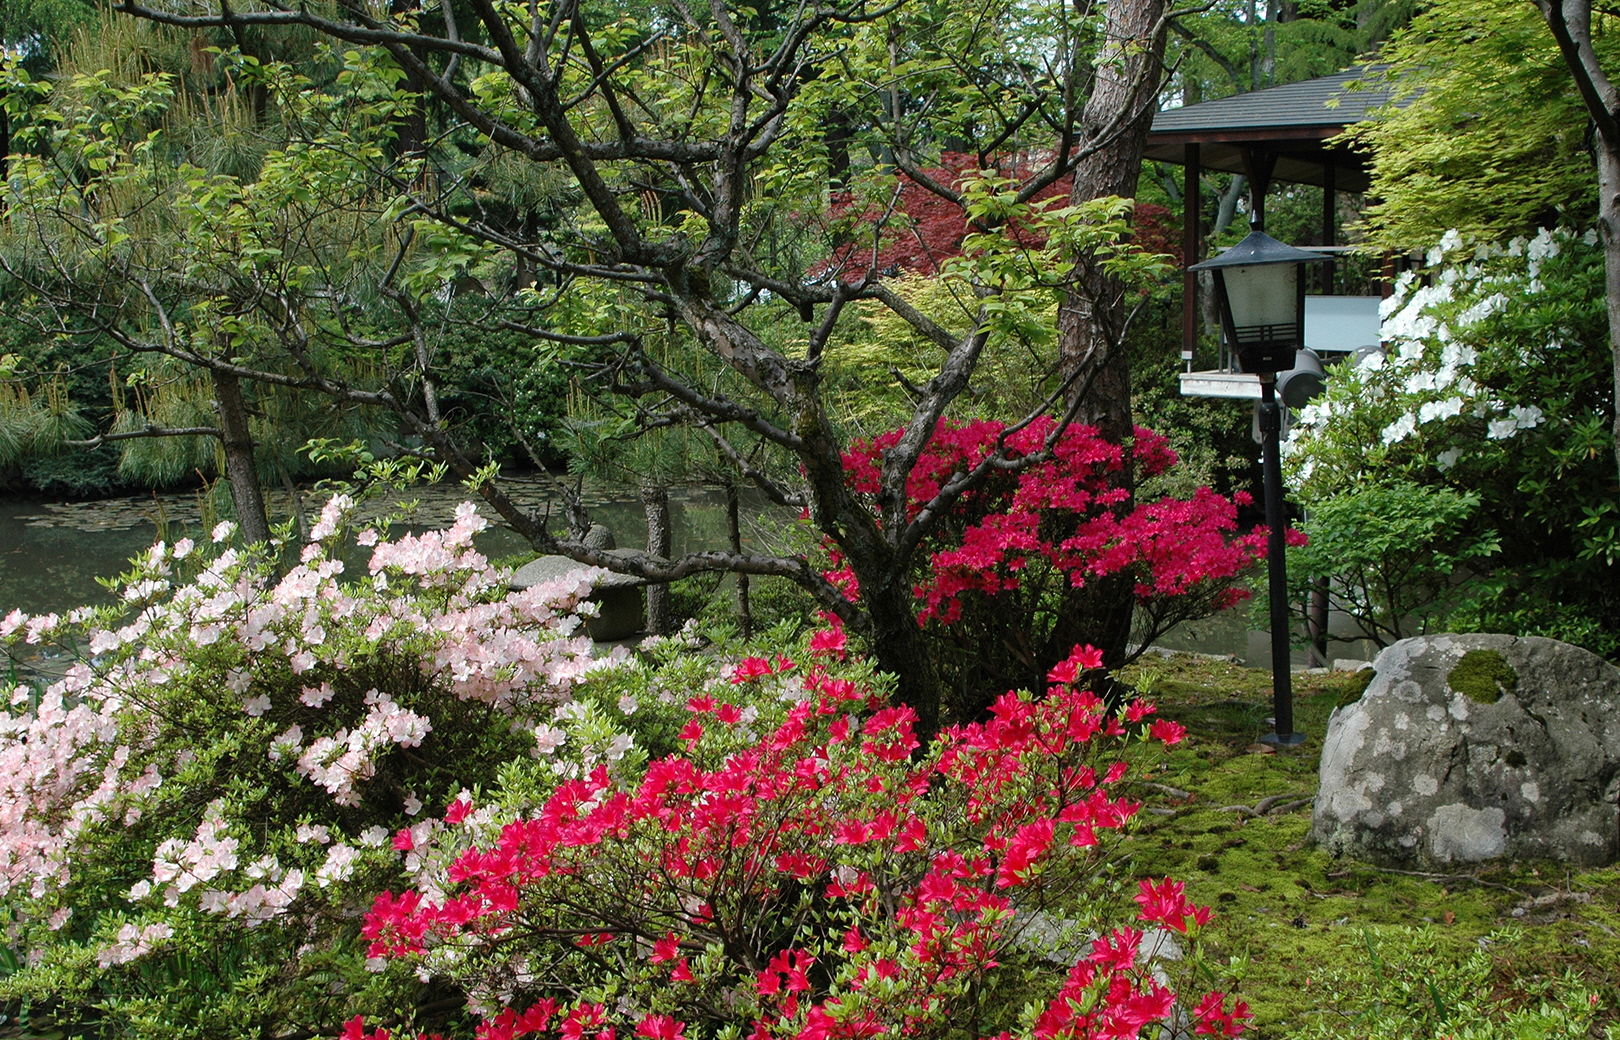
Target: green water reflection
x: 51, y: 553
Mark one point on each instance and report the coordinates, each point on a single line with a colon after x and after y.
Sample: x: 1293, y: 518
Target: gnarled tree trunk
x: 1092, y: 321
x: 241, y: 468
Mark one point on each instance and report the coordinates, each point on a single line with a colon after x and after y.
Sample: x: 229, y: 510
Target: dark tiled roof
x: 1322, y: 102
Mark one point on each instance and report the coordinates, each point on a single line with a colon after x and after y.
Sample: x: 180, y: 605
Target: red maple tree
x: 915, y: 229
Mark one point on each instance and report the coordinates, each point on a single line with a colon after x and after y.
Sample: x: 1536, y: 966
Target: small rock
x: 618, y: 596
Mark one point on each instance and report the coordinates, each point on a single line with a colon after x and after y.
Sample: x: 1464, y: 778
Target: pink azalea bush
x: 231, y: 748
x: 803, y: 869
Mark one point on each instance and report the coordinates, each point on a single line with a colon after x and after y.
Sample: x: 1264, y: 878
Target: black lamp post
x: 1261, y: 288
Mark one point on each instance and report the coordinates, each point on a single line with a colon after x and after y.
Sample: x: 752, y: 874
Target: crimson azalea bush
x: 803, y: 869
x: 1004, y: 583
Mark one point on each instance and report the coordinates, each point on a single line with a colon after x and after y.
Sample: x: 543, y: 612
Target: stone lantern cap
x: 621, y: 613
x: 550, y: 568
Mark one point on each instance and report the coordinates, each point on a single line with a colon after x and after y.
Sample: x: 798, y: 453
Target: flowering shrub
x: 1493, y: 392
x: 198, y: 813
x: 235, y: 750
x: 801, y: 870
x: 1003, y: 582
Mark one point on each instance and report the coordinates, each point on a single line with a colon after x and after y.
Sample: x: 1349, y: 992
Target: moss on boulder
x: 1483, y: 676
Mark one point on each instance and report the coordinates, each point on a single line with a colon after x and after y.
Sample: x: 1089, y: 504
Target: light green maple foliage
x: 1485, y: 135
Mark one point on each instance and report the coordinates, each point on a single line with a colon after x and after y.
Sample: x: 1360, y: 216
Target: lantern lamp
x: 1261, y: 291
x: 1260, y: 285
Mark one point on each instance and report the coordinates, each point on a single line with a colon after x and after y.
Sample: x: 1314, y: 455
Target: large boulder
x: 1472, y: 747
x: 621, y: 612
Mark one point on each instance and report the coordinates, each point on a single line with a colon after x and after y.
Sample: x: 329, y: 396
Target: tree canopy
x: 641, y: 192
x: 1484, y: 134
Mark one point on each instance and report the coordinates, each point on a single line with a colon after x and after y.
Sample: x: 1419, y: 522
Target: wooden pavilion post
x: 1330, y: 219
x: 1318, y: 607
x: 1191, y: 252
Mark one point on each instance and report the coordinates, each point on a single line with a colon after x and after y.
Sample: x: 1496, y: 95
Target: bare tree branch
x: 774, y: 491
x: 145, y: 431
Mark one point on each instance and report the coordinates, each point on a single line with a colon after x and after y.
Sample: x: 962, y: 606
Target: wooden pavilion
x: 1278, y: 134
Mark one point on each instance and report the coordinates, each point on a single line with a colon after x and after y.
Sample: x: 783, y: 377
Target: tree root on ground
x: 1266, y: 806
x: 1430, y: 877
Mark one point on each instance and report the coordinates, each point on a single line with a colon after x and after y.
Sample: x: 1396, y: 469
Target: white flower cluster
x: 1421, y: 389
x: 585, y: 729
x: 1519, y: 417
x: 184, y: 864
x: 273, y: 890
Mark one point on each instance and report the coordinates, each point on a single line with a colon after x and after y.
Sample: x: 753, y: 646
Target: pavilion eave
x: 1299, y: 160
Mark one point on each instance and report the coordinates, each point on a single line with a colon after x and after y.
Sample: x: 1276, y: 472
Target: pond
x: 52, y: 552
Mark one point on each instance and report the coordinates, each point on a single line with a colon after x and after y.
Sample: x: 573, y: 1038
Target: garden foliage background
x: 379, y: 791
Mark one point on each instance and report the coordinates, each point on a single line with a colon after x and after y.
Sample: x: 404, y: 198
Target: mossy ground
x: 1310, y: 940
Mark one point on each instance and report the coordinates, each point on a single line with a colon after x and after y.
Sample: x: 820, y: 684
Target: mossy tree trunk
x: 660, y: 541
x: 745, y: 611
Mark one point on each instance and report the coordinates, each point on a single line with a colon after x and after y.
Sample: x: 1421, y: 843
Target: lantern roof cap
x: 1259, y: 248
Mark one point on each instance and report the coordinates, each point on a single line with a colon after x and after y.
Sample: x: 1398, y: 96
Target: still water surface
x: 52, y: 552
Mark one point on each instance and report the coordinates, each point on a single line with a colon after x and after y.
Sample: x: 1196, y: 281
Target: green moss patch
x: 1483, y: 676
x: 1354, y: 689
x: 1329, y: 948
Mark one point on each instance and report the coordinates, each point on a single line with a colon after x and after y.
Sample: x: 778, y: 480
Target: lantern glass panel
x: 1263, y: 295
x: 1264, y: 305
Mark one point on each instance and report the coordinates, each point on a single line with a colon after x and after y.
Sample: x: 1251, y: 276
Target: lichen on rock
x: 1471, y: 747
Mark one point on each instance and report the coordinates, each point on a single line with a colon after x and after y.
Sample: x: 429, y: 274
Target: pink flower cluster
x: 1125, y: 1005
x: 340, y: 762
x: 1064, y: 512
x: 185, y: 864
x: 63, y: 770
x: 77, y: 757
x: 133, y: 942
x: 914, y: 863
